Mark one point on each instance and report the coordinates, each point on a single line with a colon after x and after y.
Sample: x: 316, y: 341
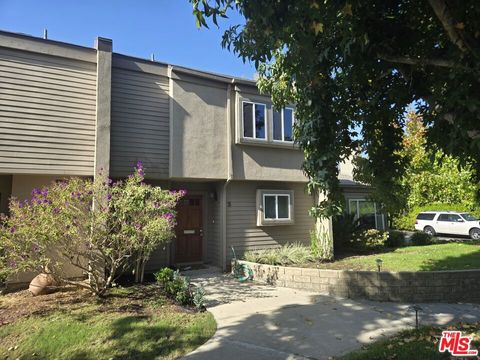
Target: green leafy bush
x: 421, y: 238
x: 345, y: 228
x: 395, y: 239
x: 370, y: 239
x: 164, y: 276
x: 289, y: 254
x: 180, y: 289
x: 101, y: 227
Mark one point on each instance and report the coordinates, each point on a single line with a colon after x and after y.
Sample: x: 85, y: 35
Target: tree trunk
x: 142, y: 274
x: 324, y: 233
x: 136, y: 270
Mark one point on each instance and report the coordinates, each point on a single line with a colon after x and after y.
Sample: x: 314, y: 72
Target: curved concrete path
x: 264, y: 322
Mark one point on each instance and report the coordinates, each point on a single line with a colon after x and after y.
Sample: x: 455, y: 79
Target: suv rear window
x: 425, y: 216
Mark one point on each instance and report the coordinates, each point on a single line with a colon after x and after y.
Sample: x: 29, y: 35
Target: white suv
x: 448, y: 222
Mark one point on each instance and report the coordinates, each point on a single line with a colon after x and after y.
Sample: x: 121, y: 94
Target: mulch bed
x: 21, y: 304
x: 136, y: 300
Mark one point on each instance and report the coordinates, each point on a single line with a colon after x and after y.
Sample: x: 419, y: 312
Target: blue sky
x: 137, y: 27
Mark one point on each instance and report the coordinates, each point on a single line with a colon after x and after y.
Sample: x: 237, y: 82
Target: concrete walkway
x: 263, y: 322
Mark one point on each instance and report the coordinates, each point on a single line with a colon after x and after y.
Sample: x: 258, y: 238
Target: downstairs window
x: 275, y: 207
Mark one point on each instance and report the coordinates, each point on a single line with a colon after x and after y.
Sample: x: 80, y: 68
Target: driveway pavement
x: 264, y: 322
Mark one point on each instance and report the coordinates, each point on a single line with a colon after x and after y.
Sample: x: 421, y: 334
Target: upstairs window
x: 283, y: 125
x: 254, y: 117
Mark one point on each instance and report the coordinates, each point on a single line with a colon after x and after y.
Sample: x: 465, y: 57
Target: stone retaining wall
x: 426, y: 286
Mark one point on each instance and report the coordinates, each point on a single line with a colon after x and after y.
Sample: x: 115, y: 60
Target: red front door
x: 189, y: 231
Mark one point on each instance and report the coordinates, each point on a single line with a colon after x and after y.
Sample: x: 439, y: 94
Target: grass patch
x: 444, y: 256
x: 132, y: 323
x: 448, y: 256
x: 413, y: 344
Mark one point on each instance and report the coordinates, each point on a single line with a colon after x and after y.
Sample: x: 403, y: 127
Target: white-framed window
x: 254, y: 120
x: 275, y: 207
x: 367, y: 212
x: 282, y: 124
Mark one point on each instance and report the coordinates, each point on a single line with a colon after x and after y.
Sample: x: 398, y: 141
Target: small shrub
x: 199, y: 298
x: 421, y: 238
x: 289, y: 254
x: 314, y: 244
x: 395, y: 239
x: 164, y: 276
x: 370, y: 239
x: 179, y: 288
x: 344, y: 229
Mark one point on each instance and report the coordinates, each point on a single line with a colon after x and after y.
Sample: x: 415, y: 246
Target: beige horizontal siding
x: 242, y: 230
x: 47, y: 114
x: 140, y: 123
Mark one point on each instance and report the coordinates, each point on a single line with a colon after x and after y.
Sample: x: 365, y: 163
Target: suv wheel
x: 475, y: 234
x: 429, y: 230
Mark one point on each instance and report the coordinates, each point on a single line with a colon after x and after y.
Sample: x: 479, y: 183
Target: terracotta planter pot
x: 42, y: 284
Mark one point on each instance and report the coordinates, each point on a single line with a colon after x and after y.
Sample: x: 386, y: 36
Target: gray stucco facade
x: 67, y: 110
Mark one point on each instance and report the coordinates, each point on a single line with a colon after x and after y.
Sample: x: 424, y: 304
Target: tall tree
x: 431, y: 176
x: 358, y: 65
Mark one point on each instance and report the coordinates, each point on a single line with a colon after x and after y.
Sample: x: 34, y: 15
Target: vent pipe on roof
x: 45, y: 34
x: 152, y: 57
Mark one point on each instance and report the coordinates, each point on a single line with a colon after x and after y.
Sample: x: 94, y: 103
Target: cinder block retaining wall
x: 427, y: 286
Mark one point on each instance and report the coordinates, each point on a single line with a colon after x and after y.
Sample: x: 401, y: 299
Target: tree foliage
x: 100, y: 227
x: 432, y: 176
x: 432, y: 179
x: 352, y: 68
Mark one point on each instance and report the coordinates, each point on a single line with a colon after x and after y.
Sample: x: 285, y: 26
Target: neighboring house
x: 67, y: 110
x: 358, y: 202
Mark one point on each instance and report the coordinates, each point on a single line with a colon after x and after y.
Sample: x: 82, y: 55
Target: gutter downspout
x: 229, y: 175
x: 169, y: 247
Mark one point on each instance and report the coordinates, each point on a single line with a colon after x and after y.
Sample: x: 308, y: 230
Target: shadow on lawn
x: 140, y: 337
x: 469, y: 261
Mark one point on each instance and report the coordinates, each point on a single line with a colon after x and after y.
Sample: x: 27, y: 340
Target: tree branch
x: 411, y: 61
x: 445, y: 17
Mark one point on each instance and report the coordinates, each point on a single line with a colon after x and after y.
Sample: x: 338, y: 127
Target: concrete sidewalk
x: 263, y: 322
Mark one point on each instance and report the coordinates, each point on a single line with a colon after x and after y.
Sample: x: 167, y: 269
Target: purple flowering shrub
x: 102, y: 227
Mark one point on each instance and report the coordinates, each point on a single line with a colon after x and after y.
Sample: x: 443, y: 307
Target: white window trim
x: 357, y: 211
x: 265, y: 119
x: 261, y: 194
x: 276, y: 195
x: 282, y: 122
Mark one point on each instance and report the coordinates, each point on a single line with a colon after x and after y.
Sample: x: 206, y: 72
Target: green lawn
x: 447, y: 256
x: 130, y: 324
x: 413, y: 344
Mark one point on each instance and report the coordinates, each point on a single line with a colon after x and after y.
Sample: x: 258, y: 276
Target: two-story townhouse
x: 67, y: 110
